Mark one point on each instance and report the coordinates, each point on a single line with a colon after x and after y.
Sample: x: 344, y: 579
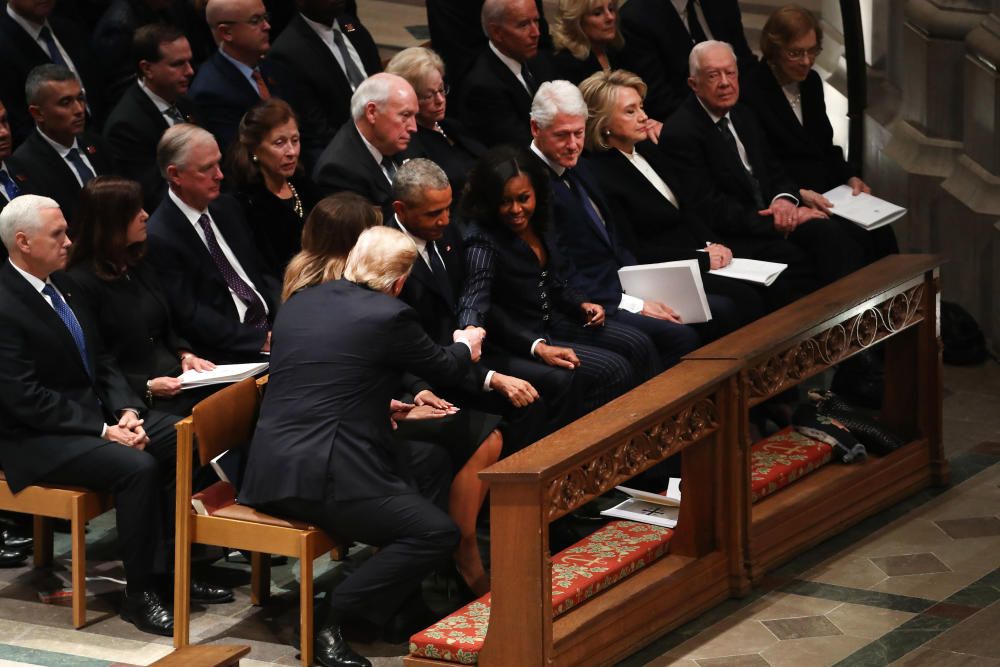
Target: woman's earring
x: 255, y: 159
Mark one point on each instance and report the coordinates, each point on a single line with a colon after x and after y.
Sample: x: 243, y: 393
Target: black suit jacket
x: 324, y: 100
x: 51, y: 409
x: 493, y: 104
x: 42, y: 171
x: 567, y: 66
x: 223, y: 94
x: 197, y: 292
x: 339, y: 352
x: 713, y: 179
x: 346, y: 164
x: 805, y: 149
x: 657, y: 46
x: 19, y: 54
x: 653, y: 229
x: 132, y: 132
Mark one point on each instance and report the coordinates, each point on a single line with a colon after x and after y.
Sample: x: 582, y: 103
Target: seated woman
x: 469, y: 436
x: 276, y: 197
x: 787, y: 94
x: 323, y: 450
x: 518, y: 285
x: 106, y: 261
x: 439, y: 138
x: 636, y: 183
x: 585, y: 39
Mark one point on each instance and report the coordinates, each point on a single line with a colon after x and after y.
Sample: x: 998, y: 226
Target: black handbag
x: 877, y: 438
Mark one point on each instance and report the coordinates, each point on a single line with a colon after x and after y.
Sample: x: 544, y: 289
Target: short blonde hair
x: 567, y: 28
x: 415, y: 64
x: 600, y: 91
x: 381, y: 256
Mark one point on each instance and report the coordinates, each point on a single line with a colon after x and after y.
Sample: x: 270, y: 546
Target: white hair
x: 492, y: 12
x: 377, y: 89
x: 23, y: 214
x: 176, y: 144
x: 694, y: 60
x: 557, y: 97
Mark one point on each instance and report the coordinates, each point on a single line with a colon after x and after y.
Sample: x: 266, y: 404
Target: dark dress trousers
x: 53, y: 408
x: 46, y: 173
x: 654, y: 230
x: 323, y: 449
x: 806, y: 149
x: 657, y: 46
x: 132, y: 131
x: 714, y: 179
x: 324, y: 100
x: 347, y: 164
x: 456, y: 151
x: 274, y: 224
x: 197, y: 292
x: 20, y: 53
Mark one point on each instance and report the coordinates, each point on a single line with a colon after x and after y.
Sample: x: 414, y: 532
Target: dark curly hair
x: 484, y: 190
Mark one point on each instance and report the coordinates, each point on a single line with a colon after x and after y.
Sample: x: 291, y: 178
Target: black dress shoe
x: 12, y: 540
x: 204, y: 593
x: 12, y: 557
x: 147, y: 612
x: 332, y: 649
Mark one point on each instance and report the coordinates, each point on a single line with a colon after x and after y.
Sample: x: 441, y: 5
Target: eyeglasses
x: 254, y: 21
x: 431, y: 94
x: 799, y: 54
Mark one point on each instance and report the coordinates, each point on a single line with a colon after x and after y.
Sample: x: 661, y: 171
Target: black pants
x: 142, y: 483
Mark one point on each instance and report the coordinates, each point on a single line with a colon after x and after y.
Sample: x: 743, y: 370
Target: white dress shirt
x: 63, y: 152
x: 681, y: 7
x: 793, y: 93
x: 376, y: 155
x: 325, y: 33
x: 513, y: 65
x: 192, y: 216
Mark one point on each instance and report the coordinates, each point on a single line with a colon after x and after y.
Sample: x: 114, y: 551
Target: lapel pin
x: 91, y: 150
x: 349, y: 27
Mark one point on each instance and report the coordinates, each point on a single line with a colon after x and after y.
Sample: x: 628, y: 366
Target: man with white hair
x: 587, y: 232
x: 201, y: 246
x: 68, y: 415
x: 364, y: 155
x: 497, y: 90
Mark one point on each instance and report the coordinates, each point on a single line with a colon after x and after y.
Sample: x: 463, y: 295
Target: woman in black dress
x: 106, y: 262
x: 585, y: 38
x: 276, y: 197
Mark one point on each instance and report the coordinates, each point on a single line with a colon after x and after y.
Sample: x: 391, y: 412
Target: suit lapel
x: 229, y: 72
x: 316, y: 48
x: 374, y: 168
x: 504, y: 74
x: 148, y: 108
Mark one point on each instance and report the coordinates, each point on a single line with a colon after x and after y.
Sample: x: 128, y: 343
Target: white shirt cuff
x: 104, y: 430
x: 486, y: 382
x: 535, y: 344
x: 632, y: 304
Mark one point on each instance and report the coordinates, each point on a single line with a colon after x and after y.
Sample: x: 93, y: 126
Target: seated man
x: 8, y: 188
x: 323, y: 450
x: 61, y: 155
x: 67, y: 414
x: 364, y: 155
x: 201, y: 246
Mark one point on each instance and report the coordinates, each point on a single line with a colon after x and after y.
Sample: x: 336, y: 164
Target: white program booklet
x: 648, y: 507
x: 677, y: 284
x: 224, y: 374
x: 751, y: 270
x: 864, y: 210
x: 671, y: 497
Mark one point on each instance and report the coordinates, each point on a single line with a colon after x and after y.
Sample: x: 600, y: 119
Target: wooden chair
x: 74, y: 504
x: 226, y: 420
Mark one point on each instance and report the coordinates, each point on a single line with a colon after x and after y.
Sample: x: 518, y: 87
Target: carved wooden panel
x: 806, y: 358
x: 633, y: 455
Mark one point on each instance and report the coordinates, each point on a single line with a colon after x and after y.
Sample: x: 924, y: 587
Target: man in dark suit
x: 587, y: 233
x: 61, y: 155
x: 8, y: 186
x: 659, y: 35
x: 729, y: 174
x: 150, y: 105
x: 495, y: 96
x: 201, y: 246
x: 323, y: 450
x: 236, y: 76
x: 29, y: 38
x: 500, y: 383
x: 364, y: 155
x: 68, y: 414
x: 330, y: 53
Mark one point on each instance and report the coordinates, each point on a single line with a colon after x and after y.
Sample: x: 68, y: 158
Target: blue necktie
x: 8, y: 185
x: 50, y: 42
x: 576, y: 186
x: 81, y: 167
x: 69, y: 319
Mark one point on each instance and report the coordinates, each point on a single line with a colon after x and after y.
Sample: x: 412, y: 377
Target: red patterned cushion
x: 580, y: 572
x: 780, y: 459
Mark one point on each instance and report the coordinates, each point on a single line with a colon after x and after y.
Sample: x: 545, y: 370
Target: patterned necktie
x: 255, y: 316
x: 262, y: 89
x: 69, y: 319
x: 389, y: 165
x: 730, y: 140
x: 576, y: 187
x: 440, y: 273
x: 354, y: 75
x: 50, y: 43
x: 174, y: 114
x: 80, y: 166
x: 694, y: 25
x: 8, y: 185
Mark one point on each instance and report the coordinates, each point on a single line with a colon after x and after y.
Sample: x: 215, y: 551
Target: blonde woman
x: 585, y: 38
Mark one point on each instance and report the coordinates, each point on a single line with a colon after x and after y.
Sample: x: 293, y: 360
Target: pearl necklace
x: 297, y: 206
